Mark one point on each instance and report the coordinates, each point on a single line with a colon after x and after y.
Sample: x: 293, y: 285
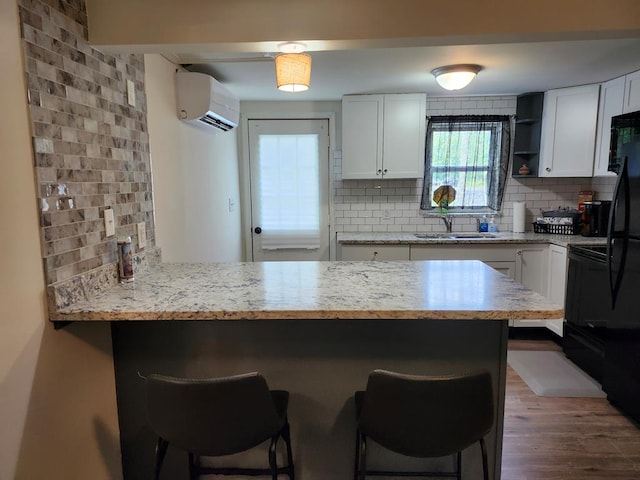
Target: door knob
x: 257, y: 230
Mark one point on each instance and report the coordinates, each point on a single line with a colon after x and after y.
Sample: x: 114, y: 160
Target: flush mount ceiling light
x: 455, y: 77
x: 293, y: 68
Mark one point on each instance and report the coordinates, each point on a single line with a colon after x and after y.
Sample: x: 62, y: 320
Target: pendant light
x: 455, y: 77
x: 293, y: 68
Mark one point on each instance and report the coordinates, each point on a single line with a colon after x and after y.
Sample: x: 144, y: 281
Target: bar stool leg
x: 161, y: 450
x: 485, y: 463
x: 286, y: 435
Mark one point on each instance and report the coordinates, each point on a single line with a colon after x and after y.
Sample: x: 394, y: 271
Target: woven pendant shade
x: 293, y: 72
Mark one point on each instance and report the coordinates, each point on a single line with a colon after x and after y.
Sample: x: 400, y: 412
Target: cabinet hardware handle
x: 519, y: 252
x: 378, y: 172
x: 385, y: 171
x: 375, y: 254
x: 548, y: 169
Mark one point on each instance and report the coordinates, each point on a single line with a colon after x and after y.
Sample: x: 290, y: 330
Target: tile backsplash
x: 91, y: 147
x: 394, y: 205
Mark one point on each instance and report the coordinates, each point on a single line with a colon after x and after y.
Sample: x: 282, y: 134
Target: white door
x: 289, y: 168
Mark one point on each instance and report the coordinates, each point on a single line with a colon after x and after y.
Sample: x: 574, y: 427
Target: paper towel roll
x: 519, y: 214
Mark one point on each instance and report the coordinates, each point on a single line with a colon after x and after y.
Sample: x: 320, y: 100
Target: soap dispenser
x: 493, y: 227
x: 484, y: 225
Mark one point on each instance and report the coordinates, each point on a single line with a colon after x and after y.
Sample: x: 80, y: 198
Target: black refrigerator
x: 621, y: 375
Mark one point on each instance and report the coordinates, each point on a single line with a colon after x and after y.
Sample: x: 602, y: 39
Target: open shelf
x: 528, y: 129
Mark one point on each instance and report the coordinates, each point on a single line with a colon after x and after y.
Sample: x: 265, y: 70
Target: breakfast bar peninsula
x: 316, y: 329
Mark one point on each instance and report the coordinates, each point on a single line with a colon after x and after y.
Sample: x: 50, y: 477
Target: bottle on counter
x: 125, y: 259
x: 484, y: 224
x: 493, y: 227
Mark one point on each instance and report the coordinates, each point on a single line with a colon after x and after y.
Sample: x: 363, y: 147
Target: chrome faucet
x: 448, y: 222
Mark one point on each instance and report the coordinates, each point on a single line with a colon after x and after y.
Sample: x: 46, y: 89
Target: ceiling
x: 508, y: 68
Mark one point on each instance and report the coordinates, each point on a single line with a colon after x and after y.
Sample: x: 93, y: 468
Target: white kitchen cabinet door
x: 568, y: 139
x: 498, y: 257
x: 505, y: 268
x: 557, y: 283
x: 362, y: 136
x: 373, y: 252
x: 531, y: 271
x: 404, y: 133
x: 632, y: 93
x: 611, y: 103
x: 383, y: 136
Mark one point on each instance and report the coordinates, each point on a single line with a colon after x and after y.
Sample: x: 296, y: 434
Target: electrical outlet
x: 142, y: 235
x: 131, y: 93
x: 109, y: 223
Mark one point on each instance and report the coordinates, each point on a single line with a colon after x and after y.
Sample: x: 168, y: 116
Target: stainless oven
x: 587, y: 308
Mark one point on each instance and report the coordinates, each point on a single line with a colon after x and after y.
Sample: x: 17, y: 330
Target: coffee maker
x: 595, y: 218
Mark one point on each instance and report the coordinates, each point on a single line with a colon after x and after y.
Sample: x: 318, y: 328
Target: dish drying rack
x: 563, y: 221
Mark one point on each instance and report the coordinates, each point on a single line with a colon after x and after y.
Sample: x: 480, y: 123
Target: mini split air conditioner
x: 203, y: 101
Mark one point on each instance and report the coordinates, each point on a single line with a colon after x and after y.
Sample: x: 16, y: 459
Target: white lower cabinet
x: 498, y: 257
x: 531, y: 271
x: 539, y: 267
x: 557, y: 283
x: 506, y: 268
x: 373, y: 252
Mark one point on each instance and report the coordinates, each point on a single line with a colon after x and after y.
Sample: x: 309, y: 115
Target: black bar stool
x: 424, y: 417
x: 216, y: 417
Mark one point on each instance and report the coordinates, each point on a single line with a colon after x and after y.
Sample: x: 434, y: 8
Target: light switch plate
x: 142, y: 235
x: 131, y: 93
x: 109, y: 223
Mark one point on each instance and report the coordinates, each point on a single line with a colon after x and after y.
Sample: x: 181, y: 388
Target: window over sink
x: 470, y: 153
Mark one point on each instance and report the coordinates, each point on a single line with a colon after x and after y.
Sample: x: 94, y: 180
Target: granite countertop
x: 500, y: 238
x: 315, y: 290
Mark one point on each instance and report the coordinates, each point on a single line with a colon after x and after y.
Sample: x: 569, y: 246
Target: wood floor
x: 564, y: 438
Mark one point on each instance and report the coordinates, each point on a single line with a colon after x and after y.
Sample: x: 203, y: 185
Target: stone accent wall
x: 91, y: 147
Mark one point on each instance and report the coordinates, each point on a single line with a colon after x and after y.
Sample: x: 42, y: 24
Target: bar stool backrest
x: 217, y: 416
x: 427, y: 416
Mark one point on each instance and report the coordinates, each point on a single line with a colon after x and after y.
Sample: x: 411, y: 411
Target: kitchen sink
x: 456, y: 236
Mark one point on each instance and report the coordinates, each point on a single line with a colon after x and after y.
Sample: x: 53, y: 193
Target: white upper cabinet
x: 632, y: 93
x: 362, y: 117
x: 568, y: 140
x: 383, y: 136
x: 611, y: 102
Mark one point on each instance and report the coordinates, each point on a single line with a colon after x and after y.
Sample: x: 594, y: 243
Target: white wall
x: 58, y: 416
x: 195, y: 173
